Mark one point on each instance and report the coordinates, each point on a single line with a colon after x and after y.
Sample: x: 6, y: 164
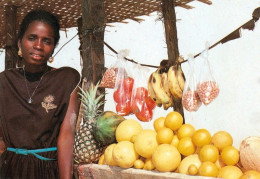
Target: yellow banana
x: 158, y: 88
x: 152, y: 93
x: 173, y: 83
x: 164, y: 77
x: 166, y: 106
x: 180, y: 77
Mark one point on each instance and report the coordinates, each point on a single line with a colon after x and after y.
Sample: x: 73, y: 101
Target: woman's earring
x: 51, y: 59
x: 20, y: 53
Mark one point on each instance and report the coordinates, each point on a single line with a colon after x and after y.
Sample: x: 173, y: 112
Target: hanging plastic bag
x: 141, y: 104
x: 190, y: 97
x: 207, y: 88
x: 123, y: 86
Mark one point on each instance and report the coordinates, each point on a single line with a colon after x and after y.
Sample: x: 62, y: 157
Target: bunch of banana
x: 176, y: 81
x: 158, y: 88
x: 166, y: 85
x: 152, y: 93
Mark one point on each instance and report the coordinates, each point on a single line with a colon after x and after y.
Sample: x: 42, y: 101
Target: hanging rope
x: 131, y: 60
x: 65, y: 44
x: 108, y: 46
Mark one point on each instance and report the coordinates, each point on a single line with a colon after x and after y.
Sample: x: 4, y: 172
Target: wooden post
x: 93, y: 26
x: 79, y: 22
x: 256, y: 14
x: 91, y: 29
x: 169, y: 17
x: 11, y: 50
x: 170, y: 30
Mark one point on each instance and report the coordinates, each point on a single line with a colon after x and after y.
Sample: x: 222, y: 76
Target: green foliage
x: 91, y: 102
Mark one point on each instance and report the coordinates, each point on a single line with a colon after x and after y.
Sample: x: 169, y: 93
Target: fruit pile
x: 175, y: 147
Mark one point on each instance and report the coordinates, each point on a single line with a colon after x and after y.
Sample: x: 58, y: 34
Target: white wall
x: 235, y: 64
x: 237, y: 108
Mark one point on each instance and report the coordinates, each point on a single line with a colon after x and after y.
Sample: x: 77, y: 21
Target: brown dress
x: 35, y: 125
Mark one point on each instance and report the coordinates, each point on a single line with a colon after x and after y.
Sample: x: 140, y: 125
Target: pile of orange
x: 174, y: 147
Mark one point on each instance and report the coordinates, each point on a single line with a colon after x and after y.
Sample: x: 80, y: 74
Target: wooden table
x: 111, y: 172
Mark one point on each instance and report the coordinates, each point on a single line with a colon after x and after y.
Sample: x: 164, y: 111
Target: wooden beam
x: 169, y: 16
x: 256, y: 14
x: 91, y: 35
x: 250, y: 25
x: 11, y: 48
x: 170, y: 30
x: 79, y: 22
x: 205, y: 1
x: 93, y: 20
x: 183, y: 4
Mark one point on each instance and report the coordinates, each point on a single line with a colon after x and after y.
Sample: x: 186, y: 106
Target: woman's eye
x: 31, y: 38
x: 47, y: 41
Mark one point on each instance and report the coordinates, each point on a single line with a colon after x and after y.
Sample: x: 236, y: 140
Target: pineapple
x: 97, y: 129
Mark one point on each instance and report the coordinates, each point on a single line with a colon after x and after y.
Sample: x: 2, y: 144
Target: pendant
x: 29, y: 100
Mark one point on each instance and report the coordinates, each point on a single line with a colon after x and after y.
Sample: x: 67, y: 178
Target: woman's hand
x: 66, y: 138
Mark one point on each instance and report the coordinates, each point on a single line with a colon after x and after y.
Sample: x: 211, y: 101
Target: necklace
x: 29, y: 100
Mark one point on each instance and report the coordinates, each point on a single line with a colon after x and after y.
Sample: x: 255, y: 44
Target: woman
x: 38, y: 106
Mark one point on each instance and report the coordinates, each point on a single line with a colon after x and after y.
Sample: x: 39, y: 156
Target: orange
x: 230, y: 155
x: 201, y: 137
x: 173, y: 120
x: 193, y: 169
x: 164, y: 135
x: 208, y: 169
x: 145, y: 143
x: 166, y: 158
x: 124, y: 154
x: 250, y: 174
x: 139, y: 164
x: 186, y: 146
x: 175, y: 141
x: 209, y: 153
x: 230, y: 172
x: 127, y: 129
x: 133, y: 138
x: 108, y: 155
x: 186, y: 130
x: 187, y: 162
x: 158, y: 123
x: 222, y: 139
x: 148, y: 164
x: 101, y: 160
x: 220, y: 163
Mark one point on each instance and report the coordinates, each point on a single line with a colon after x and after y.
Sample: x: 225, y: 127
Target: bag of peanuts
x: 190, y: 97
x: 109, y: 78
x: 207, y: 87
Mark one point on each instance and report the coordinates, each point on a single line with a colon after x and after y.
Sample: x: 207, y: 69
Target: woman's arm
x: 66, y: 138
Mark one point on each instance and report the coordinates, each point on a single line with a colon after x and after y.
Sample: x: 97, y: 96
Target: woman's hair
x: 42, y: 16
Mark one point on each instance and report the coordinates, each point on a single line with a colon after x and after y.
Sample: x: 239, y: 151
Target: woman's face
x: 37, y: 44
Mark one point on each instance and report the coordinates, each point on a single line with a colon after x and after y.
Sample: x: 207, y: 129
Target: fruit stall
x: 108, y: 144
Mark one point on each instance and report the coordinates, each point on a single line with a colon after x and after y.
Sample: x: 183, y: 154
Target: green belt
x: 33, y: 152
